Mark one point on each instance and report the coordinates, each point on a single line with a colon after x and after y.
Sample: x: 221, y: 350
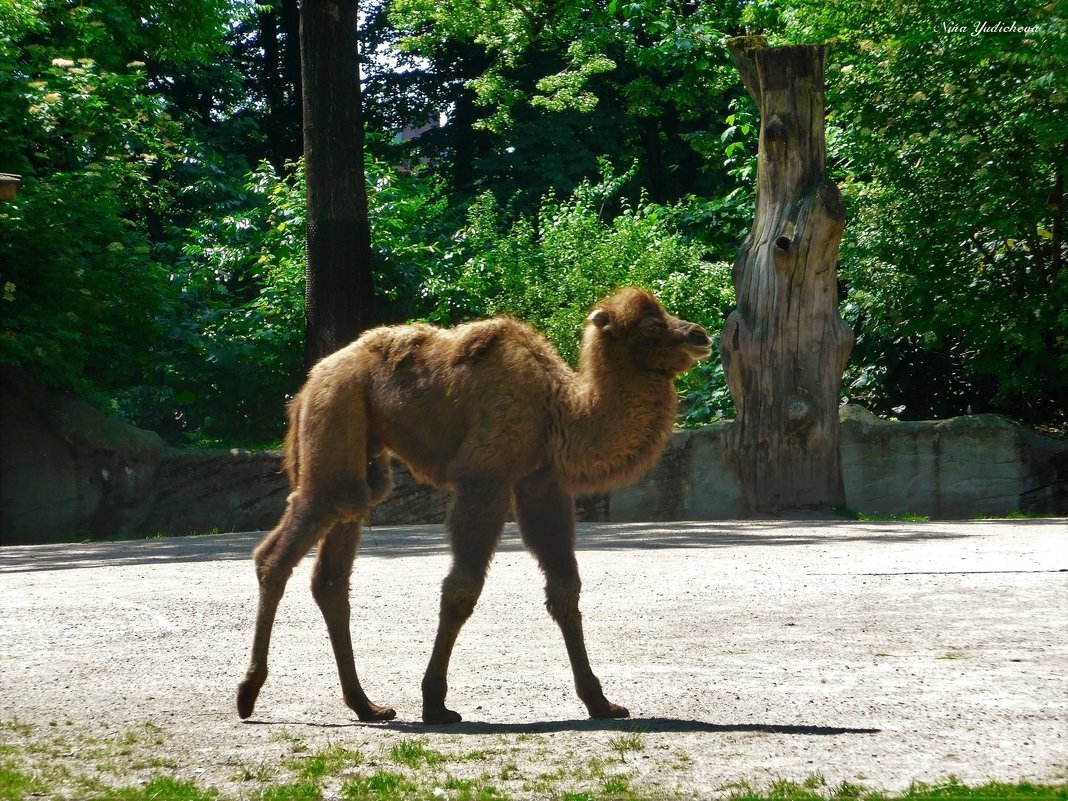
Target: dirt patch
x: 874, y: 653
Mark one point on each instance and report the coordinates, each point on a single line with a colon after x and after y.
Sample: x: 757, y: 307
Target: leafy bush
x: 950, y: 144
x: 83, y: 293
x: 234, y: 342
x: 234, y: 348
x: 552, y: 268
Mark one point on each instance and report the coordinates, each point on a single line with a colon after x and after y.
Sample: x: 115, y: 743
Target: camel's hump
x: 463, y: 345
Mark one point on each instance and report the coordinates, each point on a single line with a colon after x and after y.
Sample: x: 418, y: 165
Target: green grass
x: 323, y: 763
x: 624, y: 743
x: 379, y: 786
x: 815, y: 790
x: 159, y: 789
x: 64, y: 763
x: 298, y: 791
x: 850, y: 513
x: 16, y: 785
x: 413, y: 753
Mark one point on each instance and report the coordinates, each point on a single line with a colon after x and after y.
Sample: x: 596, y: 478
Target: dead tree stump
x: 785, y: 347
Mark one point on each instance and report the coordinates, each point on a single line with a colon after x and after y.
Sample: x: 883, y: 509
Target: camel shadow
x: 642, y: 725
x: 636, y: 725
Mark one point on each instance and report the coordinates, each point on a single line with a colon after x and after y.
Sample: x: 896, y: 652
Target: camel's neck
x: 615, y: 424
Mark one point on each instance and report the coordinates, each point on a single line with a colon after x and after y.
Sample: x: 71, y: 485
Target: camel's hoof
x: 374, y: 712
x: 440, y: 716
x: 247, y: 693
x: 609, y: 710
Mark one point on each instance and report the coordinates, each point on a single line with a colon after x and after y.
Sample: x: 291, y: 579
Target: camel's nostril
x: 697, y: 336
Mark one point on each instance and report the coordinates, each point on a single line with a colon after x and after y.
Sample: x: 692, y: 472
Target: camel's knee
x: 273, y: 565
x: 562, y: 597
x: 286, y: 545
x: 459, y: 594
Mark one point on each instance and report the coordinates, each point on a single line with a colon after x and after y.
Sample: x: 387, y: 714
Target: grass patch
x: 159, y: 789
x: 616, y: 785
x: 325, y: 763
x: 471, y: 790
x: 297, y: 791
x: 18, y: 727
x: 623, y: 744
x: 413, y: 753
x: 850, y: 513
x: 297, y: 744
x: 136, y: 764
x: 814, y: 789
x: 16, y: 785
x: 378, y: 786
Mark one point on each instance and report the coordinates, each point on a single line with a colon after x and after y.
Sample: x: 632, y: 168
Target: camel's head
x: 632, y: 321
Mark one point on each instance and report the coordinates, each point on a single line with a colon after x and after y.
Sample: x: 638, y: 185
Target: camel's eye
x: 651, y: 326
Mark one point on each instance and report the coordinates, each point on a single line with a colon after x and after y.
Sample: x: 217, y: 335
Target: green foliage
x: 553, y: 88
x: 950, y: 144
x: 551, y: 268
x: 235, y: 350
x: 412, y: 223
x: 106, y: 153
x: 235, y: 338
x: 76, y: 264
x: 153, y: 262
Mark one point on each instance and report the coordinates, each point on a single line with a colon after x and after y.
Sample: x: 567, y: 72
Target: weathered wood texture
x: 785, y: 347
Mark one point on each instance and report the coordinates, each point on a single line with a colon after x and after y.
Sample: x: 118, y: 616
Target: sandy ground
x: 874, y: 653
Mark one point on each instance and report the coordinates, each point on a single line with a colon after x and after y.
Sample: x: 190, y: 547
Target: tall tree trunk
x: 785, y: 347
x: 340, y: 285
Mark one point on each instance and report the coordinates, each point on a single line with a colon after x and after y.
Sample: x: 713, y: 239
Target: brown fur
x: 489, y: 410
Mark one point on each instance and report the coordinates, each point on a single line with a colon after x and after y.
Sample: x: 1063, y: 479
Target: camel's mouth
x: 699, y: 352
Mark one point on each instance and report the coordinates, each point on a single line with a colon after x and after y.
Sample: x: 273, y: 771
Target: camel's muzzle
x: 698, y: 343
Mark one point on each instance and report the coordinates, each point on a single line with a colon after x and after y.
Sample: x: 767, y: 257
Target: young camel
x: 490, y: 410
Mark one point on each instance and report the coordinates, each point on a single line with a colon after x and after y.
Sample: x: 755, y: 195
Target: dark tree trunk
x: 340, y: 286
x: 785, y: 347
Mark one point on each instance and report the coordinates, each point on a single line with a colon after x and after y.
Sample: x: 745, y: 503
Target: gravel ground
x: 873, y: 653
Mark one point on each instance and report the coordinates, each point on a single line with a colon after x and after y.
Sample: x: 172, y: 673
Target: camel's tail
x: 290, y: 451
x: 327, y: 454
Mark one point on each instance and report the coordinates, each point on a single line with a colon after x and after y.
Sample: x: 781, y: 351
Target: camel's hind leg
x: 330, y: 586
x: 475, y: 522
x: 546, y: 516
x: 275, y: 559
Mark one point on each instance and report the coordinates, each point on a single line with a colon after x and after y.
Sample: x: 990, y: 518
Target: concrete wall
x: 964, y: 467
x: 957, y: 468
x: 69, y: 472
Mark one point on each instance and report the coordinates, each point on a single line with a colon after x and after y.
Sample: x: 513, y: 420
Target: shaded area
x: 635, y: 725
x: 401, y: 541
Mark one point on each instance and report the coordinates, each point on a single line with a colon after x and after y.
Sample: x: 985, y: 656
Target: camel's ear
x: 599, y: 317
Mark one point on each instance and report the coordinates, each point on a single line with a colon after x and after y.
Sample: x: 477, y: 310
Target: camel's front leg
x: 475, y: 522
x: 330, y: 587
x: 546, y: 515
